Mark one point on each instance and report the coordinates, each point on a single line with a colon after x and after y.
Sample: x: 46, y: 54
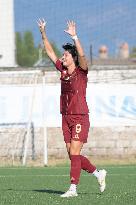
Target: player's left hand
x: 71, y: 28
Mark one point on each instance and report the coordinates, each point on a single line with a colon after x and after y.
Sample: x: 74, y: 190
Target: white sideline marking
x: 64, y: 175
x: 36, y: 168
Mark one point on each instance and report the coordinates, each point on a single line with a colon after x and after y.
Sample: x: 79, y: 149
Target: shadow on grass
x: 49, y: 191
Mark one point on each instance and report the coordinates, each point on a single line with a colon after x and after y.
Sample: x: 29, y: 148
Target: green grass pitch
x: 43, y: 186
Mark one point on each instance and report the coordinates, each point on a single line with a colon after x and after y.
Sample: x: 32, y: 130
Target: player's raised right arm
x: 47, y: 45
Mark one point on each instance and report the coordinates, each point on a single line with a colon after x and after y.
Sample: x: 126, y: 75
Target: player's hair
x: 72, y: 50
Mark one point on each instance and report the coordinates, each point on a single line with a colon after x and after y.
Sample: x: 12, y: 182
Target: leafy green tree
x: 19, y: 48
x: 26, y: 52
x: 30, y: 54
x: 133, y: 52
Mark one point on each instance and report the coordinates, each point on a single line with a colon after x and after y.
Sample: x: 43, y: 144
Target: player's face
x: 67, y: 59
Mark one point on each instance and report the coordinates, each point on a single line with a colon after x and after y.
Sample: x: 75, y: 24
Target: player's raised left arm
x: 71, y: 30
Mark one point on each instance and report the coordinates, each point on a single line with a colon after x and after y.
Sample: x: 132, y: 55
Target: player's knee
x: 74, y: 151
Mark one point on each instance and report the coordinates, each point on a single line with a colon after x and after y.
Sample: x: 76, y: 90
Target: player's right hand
x: 41, y: 23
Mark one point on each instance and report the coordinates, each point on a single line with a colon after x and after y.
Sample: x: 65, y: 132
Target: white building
x: 7, y: 34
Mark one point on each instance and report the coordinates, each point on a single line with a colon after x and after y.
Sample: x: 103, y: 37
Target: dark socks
x: 75, y: 169
x: 86, y: 165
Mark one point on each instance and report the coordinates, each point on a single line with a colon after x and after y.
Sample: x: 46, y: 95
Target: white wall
x: 109, y: 104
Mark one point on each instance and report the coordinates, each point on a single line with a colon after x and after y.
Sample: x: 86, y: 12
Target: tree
x: 19, y: 48
x: 133, y: 52
x: 26, y: 52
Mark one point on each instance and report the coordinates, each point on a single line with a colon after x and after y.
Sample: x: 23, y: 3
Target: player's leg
x: 74, y: 149
x: 68, y: 149
x: 87, y: 166
x: 67, y: 138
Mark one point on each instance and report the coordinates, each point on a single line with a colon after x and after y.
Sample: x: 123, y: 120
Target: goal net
x: 19, y: 94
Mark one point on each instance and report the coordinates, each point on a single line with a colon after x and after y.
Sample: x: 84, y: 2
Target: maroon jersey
x: 73, y: 90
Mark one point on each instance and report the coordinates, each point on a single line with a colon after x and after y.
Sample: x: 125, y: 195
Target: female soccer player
x: 73, y: 105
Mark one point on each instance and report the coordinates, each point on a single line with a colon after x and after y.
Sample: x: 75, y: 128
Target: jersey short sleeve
x: 59, y: 65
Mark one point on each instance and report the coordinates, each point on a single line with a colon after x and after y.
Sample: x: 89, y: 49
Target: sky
x: 99, y: 22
